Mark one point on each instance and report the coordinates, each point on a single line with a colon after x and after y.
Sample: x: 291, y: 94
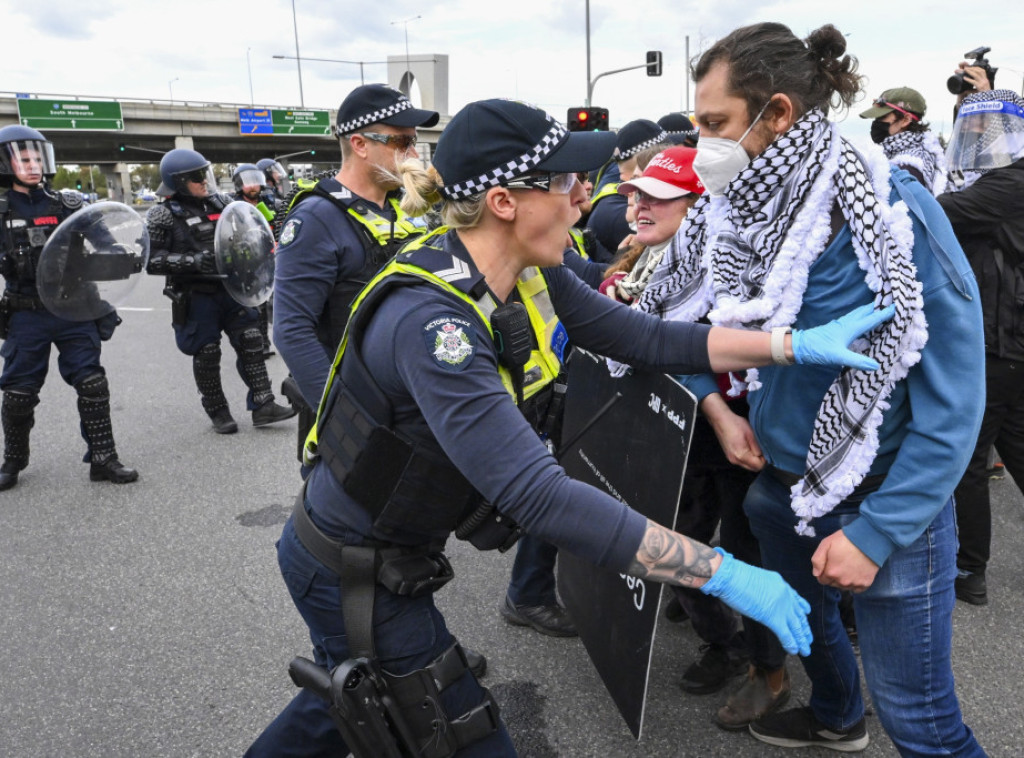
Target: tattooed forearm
x: 665, y: 556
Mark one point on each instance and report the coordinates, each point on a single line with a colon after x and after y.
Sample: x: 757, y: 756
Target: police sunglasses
x: 197, y: 176
x: 559, y: 184
x: 399, y: 141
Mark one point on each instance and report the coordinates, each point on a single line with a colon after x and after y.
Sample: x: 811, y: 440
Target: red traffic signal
x: 587, y: 119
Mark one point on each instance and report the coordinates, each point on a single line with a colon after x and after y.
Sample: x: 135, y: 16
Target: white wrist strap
x: 778, y: 346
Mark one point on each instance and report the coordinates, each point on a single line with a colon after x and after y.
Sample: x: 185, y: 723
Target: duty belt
x: 19, y: 302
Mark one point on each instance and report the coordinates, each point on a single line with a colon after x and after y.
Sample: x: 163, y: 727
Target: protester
x: 436, y: 385
x: 906, y: 139
x: 987, y: 214
x: 859, y: 467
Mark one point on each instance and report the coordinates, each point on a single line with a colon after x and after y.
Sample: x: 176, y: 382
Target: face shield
x: 987, y: 134
x: 249, y: 178
x: 28, y: 161
x: 278, y: 177
x: 198, y: 182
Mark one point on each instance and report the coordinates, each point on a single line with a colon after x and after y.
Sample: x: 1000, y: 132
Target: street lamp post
x: 170, y: 89
x: 298, y: 58
x: 405, y: 23
x: 248, y: 63
x: 362, y: 79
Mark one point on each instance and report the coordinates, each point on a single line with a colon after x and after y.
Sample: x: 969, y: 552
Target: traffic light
x: 78, y: 184
x: 654, y: 62
x: 587, y: 119
x: 121, y: 147
x: 312, y: 152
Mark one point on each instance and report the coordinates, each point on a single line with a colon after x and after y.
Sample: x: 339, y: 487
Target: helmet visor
x: 986, y: 135
x: 197, y: 182
x: 28, y: 161
x: 249, y: 177
x: 277, y: 176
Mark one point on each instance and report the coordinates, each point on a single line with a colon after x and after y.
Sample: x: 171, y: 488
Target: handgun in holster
x: 180, y: 300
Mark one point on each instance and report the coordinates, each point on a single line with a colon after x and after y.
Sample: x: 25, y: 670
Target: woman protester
x: 438, y: 392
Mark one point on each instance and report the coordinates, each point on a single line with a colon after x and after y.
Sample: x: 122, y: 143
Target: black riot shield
x: 629, y: 437
x: 89, y: 264
x: 244, y: 249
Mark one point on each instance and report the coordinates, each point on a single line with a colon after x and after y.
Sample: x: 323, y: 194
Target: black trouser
x: 1002, y: 426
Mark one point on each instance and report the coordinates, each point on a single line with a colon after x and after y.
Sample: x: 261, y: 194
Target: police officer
x: 181, y: 231
x: 419, y: 377
x: 29, y: 212
x: 278, y: 183
x: 906, y: 139
x: 338, y: 233
x: 608, y: 214
x: 251, y: 187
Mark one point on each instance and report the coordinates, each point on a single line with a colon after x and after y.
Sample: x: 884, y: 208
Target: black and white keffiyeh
x: 742, y: 260
x: 922, y: 151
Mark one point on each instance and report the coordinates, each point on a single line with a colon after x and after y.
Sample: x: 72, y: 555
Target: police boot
x: 264, y: 314
x: 254, y: 374
x: 18, y: 416
x: 206, y: 369
x: 94, y: 410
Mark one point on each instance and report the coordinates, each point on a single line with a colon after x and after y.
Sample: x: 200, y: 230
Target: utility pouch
x: 415, y: 575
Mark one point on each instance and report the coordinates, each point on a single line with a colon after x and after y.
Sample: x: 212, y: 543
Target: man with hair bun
x: 855, y: 491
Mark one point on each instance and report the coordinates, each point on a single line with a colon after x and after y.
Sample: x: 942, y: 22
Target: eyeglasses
x: 400, y: 141
x: 883, y: 103
x: 558, y: 184
x: 641, y: 196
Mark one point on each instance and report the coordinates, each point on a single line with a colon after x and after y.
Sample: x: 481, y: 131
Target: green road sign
x: 71, y: 114
x: 267, y: 121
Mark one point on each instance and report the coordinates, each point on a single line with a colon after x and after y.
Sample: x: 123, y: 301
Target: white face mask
x: 719, y: 160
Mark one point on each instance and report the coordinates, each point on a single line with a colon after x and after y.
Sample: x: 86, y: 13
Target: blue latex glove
x: 827, y: 345
x: 763, y: 596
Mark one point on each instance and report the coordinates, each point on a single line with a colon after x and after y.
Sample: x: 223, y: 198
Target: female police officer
x: 414, y: 433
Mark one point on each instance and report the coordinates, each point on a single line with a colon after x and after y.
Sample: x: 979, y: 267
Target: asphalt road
x: 150, y: 619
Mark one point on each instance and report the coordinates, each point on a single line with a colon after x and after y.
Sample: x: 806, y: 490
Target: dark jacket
x: 988, y: 218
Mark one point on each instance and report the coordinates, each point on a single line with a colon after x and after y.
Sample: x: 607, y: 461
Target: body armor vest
x: 24, y: 238
x: 202, y: 227
x: 381, y: 238
x: 354, y: 418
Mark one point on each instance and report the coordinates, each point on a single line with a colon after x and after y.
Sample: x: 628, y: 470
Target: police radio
x: 512, y: 338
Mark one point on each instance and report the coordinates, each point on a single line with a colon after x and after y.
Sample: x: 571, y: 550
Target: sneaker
x: 998, y: 471
x: 755, y: 698
x: 552, y: 620
x: 798, y: 727
x: 716, y: 667
x: 971, y: 587
x: 112, y: 470
x: 223, y: 423
x: 270, y: 413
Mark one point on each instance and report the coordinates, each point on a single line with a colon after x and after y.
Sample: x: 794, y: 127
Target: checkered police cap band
x: 372, y: 118
x: 511, y: 170
x: 623, y: 155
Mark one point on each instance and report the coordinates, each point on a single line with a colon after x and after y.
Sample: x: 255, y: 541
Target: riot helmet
x: 988, y: 132
x: 187, y: 173
x: 277, y: 177
x: 24, y: 155
x: 248, y: 177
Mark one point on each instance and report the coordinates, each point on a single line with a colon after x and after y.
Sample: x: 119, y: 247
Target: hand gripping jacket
x: 381, y: 237
x: 398, y: 486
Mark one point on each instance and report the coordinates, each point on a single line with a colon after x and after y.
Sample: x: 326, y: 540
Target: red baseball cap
x: 669, y: 175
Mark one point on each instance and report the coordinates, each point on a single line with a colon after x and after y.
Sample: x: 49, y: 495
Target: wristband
x: 778, y: 346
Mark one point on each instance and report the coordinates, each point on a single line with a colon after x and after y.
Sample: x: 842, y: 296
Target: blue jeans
x: 408, y: 634
x: 904, y: 625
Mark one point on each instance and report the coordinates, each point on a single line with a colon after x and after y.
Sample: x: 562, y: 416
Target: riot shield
x: 244, y: 248
x: 616, y: 428
x: 88, y: 266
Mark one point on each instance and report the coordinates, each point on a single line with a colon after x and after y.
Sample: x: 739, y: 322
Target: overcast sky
x: 534, y: 50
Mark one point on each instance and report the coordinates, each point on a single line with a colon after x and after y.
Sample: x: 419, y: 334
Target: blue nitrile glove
x: 827, y: 345
x: 763, y: 596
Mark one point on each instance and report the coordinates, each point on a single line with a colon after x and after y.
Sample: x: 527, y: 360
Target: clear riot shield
x: 244, y: 249
x: 89, y: 264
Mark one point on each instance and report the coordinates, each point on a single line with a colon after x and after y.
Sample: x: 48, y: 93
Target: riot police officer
x: 419, y: 380
x: 278, y: 184
x: 30, y: 212
x: 251, y: 187
x: 339, y: 232
x: 181, y: 231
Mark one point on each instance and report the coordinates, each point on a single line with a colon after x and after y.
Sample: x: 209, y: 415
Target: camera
x: 956, y: 84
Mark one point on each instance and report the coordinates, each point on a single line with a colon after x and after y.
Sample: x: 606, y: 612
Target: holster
x: 180, y: 301
x: 487, y: 528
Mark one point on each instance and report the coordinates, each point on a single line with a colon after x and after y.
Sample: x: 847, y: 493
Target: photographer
x: 986, y: 208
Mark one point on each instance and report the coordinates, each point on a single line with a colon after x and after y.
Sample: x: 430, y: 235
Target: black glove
x: 206, y: 263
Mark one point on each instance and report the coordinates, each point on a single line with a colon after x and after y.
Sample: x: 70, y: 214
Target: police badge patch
x: 290, y: 231
x: 451, y: 341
